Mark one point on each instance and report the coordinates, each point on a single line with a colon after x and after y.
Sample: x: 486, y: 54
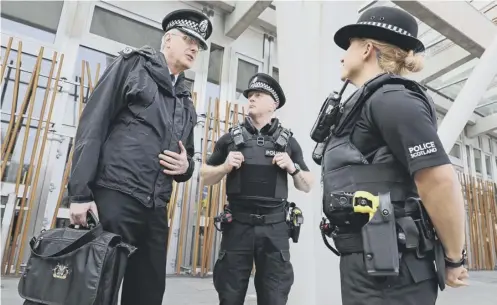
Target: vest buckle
x: 260, y: 141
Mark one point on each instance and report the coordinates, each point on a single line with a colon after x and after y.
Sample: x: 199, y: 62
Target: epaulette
x: 146, y: 51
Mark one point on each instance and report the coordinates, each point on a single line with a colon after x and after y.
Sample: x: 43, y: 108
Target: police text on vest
x: 422, y: 149
x: 271, y: 153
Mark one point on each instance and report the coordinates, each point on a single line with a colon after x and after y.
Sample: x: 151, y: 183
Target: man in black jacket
x: 134, y: 137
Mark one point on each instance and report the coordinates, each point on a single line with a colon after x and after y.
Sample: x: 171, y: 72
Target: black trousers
x: 415, y: 285
x: 243, y: 244
x: 145, y: 228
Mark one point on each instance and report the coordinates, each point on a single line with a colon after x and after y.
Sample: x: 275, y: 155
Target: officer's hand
x: 79, y: 211
x: 234, y: 160
x: 175, y: 164
x: 454, y: 277
x: 284, y: 161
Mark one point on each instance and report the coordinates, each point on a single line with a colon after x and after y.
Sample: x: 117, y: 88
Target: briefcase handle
x: 86, y: 238
x: 91, y: 220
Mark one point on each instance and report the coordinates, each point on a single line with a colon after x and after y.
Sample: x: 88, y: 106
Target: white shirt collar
x: 175, y: 76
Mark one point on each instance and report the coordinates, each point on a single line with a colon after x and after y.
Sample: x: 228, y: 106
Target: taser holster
x: 379, y: 237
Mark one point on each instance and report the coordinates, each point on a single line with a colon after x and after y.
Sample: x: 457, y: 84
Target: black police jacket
x: 133, y: 114
x: 346, y: 169
x: 258, y: 178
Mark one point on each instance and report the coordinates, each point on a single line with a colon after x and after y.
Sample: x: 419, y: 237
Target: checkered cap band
x: 387, y: 26
x: 264, y: 86
x: 187, y: 24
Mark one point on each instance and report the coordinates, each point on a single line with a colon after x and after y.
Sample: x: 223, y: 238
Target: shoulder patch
x: 392, y: 87
x: 129, y: 51
x: 126, y: 52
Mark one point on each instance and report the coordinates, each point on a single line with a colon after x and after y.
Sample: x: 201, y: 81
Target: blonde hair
x: 392, y: 59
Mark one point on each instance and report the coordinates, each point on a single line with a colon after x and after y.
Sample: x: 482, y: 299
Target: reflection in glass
x: 124, y: 30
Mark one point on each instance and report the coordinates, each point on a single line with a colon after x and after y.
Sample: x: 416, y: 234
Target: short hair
x: 163, y: 39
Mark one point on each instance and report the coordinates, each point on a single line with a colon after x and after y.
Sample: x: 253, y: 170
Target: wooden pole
x: 201, y: 190
x: 33, y: 84
x: 6, y: 57
x: 220, y: 196
x: 184, y: 204
x: 13, y: 108
x: 34, y: 185
x: 171, y: 208
x: 32, y: 102
x: 67, y: 169
x: 211, y: 198
x: 184, y: 211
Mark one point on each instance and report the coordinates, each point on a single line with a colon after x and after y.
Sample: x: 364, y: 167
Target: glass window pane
x: 488, y: 165
x: 276, y: 74
x: 97, y: 61
x: 28, y: 63
x: 456, y: 151
x: 21, y: 29
x: 14, y: 161
x: 468, y: 157
x: 124, y: 30
x: 214, y: 76
x: 215, y: 64
x: 245, y: 71
x: 41, y: 15
x: 477, y: 160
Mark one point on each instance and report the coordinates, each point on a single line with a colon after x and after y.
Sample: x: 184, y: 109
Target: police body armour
x: 258, y: 178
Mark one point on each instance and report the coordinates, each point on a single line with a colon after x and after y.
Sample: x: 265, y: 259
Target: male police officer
x: 384, y: 143
x: 257, y: 156
x: 134, y: 137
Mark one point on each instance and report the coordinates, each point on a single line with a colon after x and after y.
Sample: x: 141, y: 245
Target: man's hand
x: 284, y: 161
x: 234, y: 160
x: 454, y: 277
x: 79, y: 211
x: 175, y: 164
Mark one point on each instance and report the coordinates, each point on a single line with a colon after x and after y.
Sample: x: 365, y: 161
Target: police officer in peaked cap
x: 258, y: 157
x: 134, y: 138
x: 383, y: 147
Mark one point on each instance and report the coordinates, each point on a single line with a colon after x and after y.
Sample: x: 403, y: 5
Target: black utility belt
x: 410, y: 235
x: 292, y: 215
x: 256, y: 219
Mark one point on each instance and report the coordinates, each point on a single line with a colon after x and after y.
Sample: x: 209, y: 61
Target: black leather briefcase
x: 70, y: 266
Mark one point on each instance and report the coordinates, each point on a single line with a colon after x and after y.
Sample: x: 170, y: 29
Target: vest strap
x: 258, y: 220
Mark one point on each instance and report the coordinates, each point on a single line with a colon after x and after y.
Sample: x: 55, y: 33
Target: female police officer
x: 257, y: 158
x: 385, y: 140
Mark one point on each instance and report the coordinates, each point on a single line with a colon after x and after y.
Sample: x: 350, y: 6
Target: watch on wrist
x: 296, y: 171
x: 456, y: 264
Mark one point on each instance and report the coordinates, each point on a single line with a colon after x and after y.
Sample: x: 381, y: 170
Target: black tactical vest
x: 346, y: 169
x: 258, y: 178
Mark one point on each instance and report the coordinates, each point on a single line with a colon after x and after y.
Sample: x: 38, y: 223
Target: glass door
x: 244, y: 68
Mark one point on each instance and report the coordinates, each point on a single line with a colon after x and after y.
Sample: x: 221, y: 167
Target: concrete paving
x: 197, y: 291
